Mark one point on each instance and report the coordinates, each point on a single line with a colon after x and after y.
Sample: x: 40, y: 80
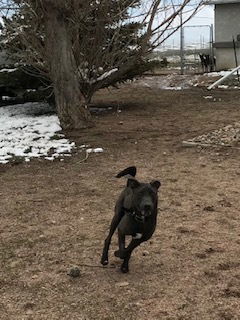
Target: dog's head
x: 143, y: 197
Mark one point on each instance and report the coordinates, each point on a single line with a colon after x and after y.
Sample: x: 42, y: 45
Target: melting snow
x: 96, y: 150
x: 172, y: 88
x: 179, y: 82
x: 208, y: 97
x: 217, y: 73
x: 25, y: 131
x: 222, y: 86
x: 9, y: 70
x: 168, y: 82
x: 107, y: 74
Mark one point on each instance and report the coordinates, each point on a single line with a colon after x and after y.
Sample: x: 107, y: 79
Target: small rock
x: 209, y: 208
x: 112, y: 265
x: 201, y: 255
x: 225, y: 203
x: 28, y: 306
x: 136, y: 304
x: 122, y: 284
x: 183, y: 230
x: 145, y: 253
x: 176, y: 203
x: 29, y: 312
x: 210, y: 250
x: 14, y: 264
x: 74, y: 272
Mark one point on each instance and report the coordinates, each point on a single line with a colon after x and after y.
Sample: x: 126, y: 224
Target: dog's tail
x: 130, y: 171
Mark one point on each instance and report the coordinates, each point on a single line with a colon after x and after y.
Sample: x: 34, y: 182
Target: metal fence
x: 201, y: 59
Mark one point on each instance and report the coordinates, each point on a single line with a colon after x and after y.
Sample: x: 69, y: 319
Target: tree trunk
x: 72, y: 112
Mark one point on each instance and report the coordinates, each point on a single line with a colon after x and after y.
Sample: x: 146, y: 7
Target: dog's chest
x: 129, y: 226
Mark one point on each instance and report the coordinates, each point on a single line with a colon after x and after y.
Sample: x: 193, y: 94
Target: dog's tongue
x: 145, y: 213
x: 142, y: 217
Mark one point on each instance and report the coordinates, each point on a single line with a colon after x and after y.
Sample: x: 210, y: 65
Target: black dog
x: 207, y: 62
x: 135, y: 215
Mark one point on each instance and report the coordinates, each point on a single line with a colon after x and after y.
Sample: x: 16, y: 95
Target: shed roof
x: 222, y: 1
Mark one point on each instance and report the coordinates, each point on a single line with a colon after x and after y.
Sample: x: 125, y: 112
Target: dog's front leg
x: 115, y: 222
x: 127, y: 254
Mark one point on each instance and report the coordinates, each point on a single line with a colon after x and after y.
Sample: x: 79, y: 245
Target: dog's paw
x: 104, y: 262
x: 124, y: 269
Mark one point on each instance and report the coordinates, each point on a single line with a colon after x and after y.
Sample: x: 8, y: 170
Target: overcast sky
x: 195, y: 35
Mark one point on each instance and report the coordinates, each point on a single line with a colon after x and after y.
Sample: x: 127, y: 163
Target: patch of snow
x: 31, y: 90
x: 207, y: 97
x: 222, y: 86
x: 24, y: 133
x: 8, y: 70
x: 96, y: 150
x: 217, y: 73
x: 146, y: 85
x: 106, y: 74
x: 168, y: 82
x: 172, y: 88
x: 6, y: 98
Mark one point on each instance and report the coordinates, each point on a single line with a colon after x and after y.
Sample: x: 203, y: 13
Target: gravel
x: 226, y: 136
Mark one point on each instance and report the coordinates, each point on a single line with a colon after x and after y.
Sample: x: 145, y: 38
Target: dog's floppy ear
x: 155, y: 184
x: 132, y: 183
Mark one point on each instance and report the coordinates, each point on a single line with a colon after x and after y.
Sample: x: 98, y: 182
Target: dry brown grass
x: 55, y: 215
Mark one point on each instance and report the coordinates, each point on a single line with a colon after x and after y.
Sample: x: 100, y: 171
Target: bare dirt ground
x: 56, y: 214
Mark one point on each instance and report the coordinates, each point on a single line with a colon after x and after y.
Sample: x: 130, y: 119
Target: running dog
x: 135, y: 215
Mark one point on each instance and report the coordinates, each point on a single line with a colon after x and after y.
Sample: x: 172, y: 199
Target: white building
x: 227, y: 28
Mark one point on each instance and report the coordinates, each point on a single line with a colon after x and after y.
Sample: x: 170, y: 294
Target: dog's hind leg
x: 121, y: 242
x: 115, y: 222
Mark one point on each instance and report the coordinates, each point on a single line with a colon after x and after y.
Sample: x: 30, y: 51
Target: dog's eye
x: 152, y: 192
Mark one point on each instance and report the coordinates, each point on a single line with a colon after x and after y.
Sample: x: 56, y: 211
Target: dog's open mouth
x: 146, y: 213
x: 140, y: 218
x: 142, y: 215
